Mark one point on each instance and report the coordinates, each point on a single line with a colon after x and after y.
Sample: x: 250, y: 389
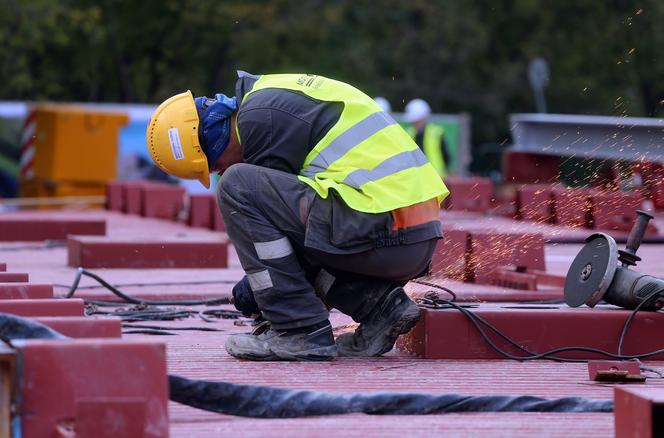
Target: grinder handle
x: 638, y: 230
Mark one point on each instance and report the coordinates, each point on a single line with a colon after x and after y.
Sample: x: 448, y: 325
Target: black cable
x: 149, y: 332
x: 80, y: 272
x: 150, y: 314
x: 205, y: 315
x: 157, y: 327
x: 444, y: 289
x: 166, y: 283
x: 632, y: 315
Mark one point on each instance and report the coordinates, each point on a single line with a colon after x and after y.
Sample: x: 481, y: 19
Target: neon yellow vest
x: 433, y: 136
x: 366, y: 156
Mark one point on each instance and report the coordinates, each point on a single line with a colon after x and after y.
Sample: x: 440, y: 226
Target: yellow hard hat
x: 172, y: 138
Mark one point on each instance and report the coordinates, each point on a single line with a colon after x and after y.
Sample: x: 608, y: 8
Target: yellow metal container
x: 74, y: 144
x: 47, y: 189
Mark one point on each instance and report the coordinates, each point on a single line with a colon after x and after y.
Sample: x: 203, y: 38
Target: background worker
x: 428, y: 136
x: 328, y: 202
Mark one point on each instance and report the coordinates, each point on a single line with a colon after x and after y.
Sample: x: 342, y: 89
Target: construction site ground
x: 201, y: 355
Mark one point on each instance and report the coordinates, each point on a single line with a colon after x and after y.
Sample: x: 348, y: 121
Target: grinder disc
x: 592, y: 271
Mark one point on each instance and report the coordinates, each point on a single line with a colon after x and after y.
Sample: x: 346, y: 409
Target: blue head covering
x: 215, y: 116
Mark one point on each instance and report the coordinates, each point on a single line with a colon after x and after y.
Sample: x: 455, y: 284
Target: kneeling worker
x: 328, y: 201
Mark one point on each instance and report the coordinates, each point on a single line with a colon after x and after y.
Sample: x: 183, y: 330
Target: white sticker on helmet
x: 176, y: 146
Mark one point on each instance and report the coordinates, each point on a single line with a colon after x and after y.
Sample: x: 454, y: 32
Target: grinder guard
x: 592, y: 271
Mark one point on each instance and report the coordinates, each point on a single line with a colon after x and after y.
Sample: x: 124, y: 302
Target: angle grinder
x: 595, y: 275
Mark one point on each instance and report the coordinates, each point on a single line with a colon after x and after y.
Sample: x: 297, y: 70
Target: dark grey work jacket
x: 278, y: 128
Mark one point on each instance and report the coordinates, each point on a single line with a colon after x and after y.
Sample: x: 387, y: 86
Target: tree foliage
x: 460, y: 55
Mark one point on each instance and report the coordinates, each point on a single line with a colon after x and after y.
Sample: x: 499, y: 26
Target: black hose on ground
x: 14, y: 327
x: 267, y: 402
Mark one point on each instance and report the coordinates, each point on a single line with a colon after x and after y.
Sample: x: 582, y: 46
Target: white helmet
x: 417, y: 109
x: 383, y: 103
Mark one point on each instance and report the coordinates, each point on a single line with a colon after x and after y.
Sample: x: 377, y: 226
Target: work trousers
x: 266, y: 213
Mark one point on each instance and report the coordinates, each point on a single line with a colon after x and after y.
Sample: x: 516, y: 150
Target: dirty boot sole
x: 239, y: 352
x: 235, y: 348
x: 315, y: 355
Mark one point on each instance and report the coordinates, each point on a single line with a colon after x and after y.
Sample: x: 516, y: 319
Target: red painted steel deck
x: 201, y: 354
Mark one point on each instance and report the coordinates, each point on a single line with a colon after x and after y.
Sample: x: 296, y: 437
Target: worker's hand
x: 243, y: 298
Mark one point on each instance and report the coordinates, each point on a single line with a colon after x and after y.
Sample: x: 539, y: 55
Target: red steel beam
x: 615, y: 211
x: 204, y: 212
x: 482, y: 256
x: 14, y: 277
x: 534, y: 203
x: 490, y: 250
x: 115, y: 196
x: 33, y: 229
x: 469, y: 194
x: 572, y: 207
x: 638, y: 412
x: 162, y: 201
x: 448, y: 334
x: 217, y: 219
x: 132, y: 195
x: 200, y: 210
x: 84, y: 326
x: 88, y: 252
x: 15, y: 291
x: 101, y: 388
x: 451, y: 256
x: 524, y: 167
x: 43, y: 307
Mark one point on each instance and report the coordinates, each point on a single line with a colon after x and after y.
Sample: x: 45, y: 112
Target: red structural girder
x: 32, y: 229
x: 638, y: 412
x: 43, y: 307
x: 449, y: 334
x: 174, y: 253
x: 99, y: 388
x: 14, y: 291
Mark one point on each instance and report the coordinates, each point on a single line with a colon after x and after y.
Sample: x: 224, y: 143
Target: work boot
x: 309, y: 343
x: 378, y: 332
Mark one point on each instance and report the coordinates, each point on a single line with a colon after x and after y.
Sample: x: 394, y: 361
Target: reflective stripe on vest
x: 346, y: 141
x: 366, y: 157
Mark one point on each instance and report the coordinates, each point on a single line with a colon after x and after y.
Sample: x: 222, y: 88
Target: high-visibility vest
x: 370, y: 161
x: 432, y: 139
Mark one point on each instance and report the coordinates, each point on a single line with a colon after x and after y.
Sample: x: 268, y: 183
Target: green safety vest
x: 366, y: 156
x: 433, y: 136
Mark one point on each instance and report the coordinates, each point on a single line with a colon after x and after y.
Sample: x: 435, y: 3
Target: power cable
x: 158, y: 327
x: 632, y: 315
x: 427, y: 283
x: 165, y: 283
x: 80, y: 272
